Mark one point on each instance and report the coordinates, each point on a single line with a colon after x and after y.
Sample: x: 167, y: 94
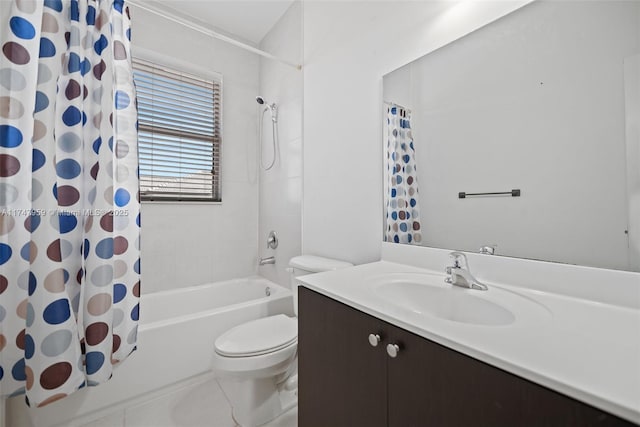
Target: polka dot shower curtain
x: 69, y: 220
x: 403, y: 210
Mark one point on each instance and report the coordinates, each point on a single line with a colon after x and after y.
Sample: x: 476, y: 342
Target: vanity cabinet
x: 344, y: 381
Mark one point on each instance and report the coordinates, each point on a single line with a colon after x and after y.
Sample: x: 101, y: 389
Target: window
x: 179, y: 134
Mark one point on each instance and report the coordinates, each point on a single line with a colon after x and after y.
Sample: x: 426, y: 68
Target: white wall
x: 542, y: 109
x: 348, y: 47
x: 186, y: 244
x: 281, y: 187
x: 632, y: 108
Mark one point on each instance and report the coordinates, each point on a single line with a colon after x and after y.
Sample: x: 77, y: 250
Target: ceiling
x: 249, y: 20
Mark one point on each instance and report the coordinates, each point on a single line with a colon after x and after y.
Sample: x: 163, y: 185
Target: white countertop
x: 587, y: 350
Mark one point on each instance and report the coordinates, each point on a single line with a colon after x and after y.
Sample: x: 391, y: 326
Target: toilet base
x: 255, y: 402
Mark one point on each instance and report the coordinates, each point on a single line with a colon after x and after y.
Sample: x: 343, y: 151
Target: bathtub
x: 175, y: 342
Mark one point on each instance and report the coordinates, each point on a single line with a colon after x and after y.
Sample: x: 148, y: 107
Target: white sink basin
x: 428, y: 295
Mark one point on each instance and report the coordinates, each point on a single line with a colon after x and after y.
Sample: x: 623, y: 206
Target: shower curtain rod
x: 213, y: 34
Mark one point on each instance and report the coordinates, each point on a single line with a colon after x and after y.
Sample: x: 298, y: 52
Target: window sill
x: 175, y: 202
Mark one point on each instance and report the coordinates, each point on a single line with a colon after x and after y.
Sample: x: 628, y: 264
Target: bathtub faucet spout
x: 268, y: 260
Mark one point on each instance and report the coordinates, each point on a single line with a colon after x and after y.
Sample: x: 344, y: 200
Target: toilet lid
x: 257, y: 337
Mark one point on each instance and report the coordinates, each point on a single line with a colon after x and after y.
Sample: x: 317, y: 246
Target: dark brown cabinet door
x: 431, y: 385
x: 342, y: 378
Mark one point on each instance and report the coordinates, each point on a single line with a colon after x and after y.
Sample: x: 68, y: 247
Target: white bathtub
x: 175, y: 342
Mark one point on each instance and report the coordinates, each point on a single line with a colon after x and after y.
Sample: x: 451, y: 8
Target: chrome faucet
x: 459, y: 274
x: 488, y: 250
x: 268, y: 260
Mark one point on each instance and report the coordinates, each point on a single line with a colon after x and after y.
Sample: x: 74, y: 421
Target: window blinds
x: 179, y: 134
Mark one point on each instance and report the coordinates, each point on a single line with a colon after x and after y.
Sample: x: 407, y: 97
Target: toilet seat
x: 259, y: 348
x: 258, y: 337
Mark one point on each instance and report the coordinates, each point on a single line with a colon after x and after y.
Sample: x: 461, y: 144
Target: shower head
x: 273, y: 108
x: 260, y: 100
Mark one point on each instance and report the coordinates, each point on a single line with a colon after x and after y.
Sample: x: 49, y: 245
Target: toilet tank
x: 308, y: 264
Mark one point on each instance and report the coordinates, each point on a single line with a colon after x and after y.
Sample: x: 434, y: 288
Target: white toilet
x: 256, y: 363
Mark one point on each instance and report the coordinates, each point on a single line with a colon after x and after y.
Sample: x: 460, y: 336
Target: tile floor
x: 199, y: 405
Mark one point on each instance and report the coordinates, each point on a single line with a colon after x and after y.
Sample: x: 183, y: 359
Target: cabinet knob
x: 374, y: 340
x: 393, y: 350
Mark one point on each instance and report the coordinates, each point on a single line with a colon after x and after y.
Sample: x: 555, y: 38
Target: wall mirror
x: 542, y: 106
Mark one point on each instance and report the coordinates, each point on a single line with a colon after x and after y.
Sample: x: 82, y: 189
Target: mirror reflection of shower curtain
x: 402, y: 206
